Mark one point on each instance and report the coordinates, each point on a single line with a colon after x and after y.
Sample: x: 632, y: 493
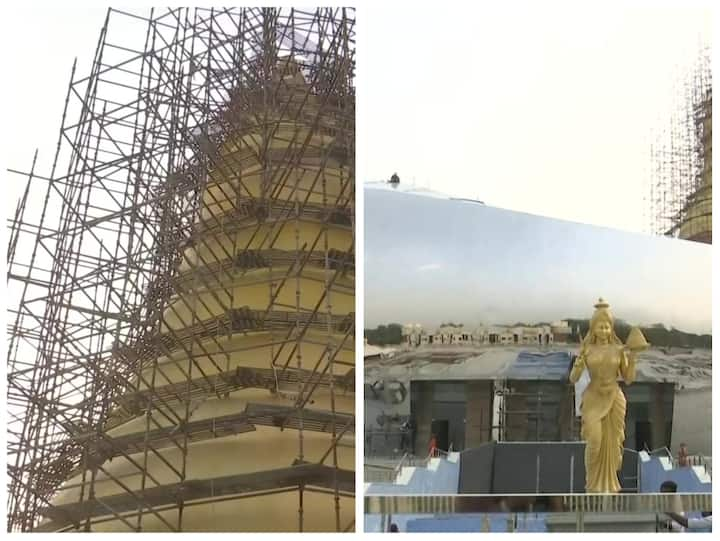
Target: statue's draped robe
x: 603, y: 413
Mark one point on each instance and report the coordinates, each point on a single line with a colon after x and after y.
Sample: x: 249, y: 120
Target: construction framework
x: 523, y: 416
x: 182, y: 281
x: 681, y: 160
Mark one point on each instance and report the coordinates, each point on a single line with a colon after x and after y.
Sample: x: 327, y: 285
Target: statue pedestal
x: 534, y: 468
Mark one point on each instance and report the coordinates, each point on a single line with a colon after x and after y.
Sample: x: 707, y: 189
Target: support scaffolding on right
x: 681, y: 174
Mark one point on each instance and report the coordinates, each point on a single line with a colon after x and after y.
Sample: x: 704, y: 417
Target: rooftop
x: 689, y: 368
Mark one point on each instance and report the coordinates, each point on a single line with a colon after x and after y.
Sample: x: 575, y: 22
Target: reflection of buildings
x: 542, y: 334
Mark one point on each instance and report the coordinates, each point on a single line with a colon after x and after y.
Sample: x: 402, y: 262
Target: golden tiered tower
x: 681, y: 177
x: 697, y: 221
x: 229, y: 406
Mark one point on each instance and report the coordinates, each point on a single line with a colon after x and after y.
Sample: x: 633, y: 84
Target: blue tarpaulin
x: 544, y: 366
x: 474, y: 522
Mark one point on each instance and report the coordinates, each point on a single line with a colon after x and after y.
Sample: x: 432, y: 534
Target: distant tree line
x: 384, y: 335
x: 657, y: 334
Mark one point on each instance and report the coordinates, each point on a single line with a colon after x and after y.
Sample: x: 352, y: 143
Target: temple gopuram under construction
x: 181, y: 283
x: 681, y: 174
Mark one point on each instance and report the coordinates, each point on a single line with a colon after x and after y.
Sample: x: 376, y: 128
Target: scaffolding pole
x: 201, y: 140
x: 681, y: 160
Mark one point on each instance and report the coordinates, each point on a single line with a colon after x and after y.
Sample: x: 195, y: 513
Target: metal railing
x: 692, y: 460
x: 695, y: 460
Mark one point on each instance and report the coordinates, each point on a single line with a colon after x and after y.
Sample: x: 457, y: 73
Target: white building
x: 561, y: 331
x: 414, y: 335
x: 517, y: 334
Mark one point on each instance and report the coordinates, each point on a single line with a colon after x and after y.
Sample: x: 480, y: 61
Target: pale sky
x: 39, y: 46
x: 545, y: 108
x: 540, y: 107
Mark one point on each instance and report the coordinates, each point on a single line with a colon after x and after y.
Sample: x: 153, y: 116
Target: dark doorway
x: 441, y: 429
x: 643, y: 435
x: 515, y: 338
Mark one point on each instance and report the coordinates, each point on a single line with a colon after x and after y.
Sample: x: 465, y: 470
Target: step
x: 405, y: 475
x: 702, y: 475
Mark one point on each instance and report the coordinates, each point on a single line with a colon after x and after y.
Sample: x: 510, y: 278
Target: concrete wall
x: 423, y: 414
x: 692, y: 421
x: 478, y: 415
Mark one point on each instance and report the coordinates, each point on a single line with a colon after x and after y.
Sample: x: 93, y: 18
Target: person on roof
x: 433, y: 448
x: 683, y: 456
x: 406, y: 433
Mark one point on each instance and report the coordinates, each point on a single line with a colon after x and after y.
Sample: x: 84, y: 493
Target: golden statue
x: 603, y: 402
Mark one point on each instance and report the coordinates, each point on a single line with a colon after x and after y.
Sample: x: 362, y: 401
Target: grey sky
x: 40, y: 45
x: 429, y: 260
x: 542, y: 107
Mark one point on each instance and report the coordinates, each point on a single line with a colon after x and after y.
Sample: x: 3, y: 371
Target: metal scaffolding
x: 210, y: 162
x: 535, y: 411
x: 681, y: 160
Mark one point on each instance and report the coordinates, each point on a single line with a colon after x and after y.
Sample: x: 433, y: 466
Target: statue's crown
x: 602, y: 303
